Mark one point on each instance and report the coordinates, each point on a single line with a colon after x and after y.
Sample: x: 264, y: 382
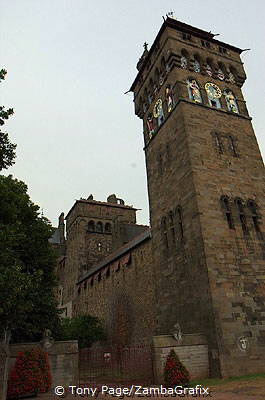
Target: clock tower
x: 206, y: 193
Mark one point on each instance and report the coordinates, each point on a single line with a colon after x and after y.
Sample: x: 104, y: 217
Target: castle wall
x: 123, y: 298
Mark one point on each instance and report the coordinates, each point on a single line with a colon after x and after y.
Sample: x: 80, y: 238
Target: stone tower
x: 206, y: 193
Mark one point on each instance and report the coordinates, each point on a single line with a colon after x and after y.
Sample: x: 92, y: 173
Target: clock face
x: 157, y: 108
x: 213, y: 90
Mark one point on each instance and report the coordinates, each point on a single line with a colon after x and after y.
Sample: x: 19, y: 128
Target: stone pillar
x: 192, y: 351
x: 4, y: 359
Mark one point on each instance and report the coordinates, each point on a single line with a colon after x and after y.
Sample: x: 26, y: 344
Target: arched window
x: 108, y: 227
x: 164, y: 231
x: 184, y: 59
x: 99, y: 227
x: 91, y: 226
x: 214, y: 94
x: 220, y: 72
x: 194, y: 91
x: 197, y: 64
x: 232, y: 76
x: 254, y: 214
x: 231, y: 101
x: 227, y: 209
x: 209, y: 67
x: 242, y: 216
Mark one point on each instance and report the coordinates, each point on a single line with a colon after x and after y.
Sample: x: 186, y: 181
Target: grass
x: 216, y: 382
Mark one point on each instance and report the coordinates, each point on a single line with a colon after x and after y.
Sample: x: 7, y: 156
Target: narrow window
x: 108, y: 273
x: 184, y: 59
x: 242, y: 216
x: 107, y: 227
x: 171, y: 225
x: 228, y: 213
x: 99, y: 277
x: 254, y: 214
x: 164, y: 231
x: 232, y: 146
x: 179, y: 221
x: 91, y: 226
x: 219, y: 144
x: 99, y: 246
x: 99, y: 227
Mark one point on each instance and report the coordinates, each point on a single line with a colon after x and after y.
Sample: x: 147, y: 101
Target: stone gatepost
x: 192, y: 351
x: 4, y: 360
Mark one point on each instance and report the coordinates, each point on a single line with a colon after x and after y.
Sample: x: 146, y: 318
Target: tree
x: 85, y: 328
x: 7, y: 149
x: 27, y: 260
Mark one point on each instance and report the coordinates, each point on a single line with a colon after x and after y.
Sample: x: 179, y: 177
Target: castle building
x: 202, y: 262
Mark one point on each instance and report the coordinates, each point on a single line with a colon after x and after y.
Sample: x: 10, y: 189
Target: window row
x: 244, y: 211
x: 208, y: 66
x: 214, y: 94
x: 99, y: 227
x: 197, y: 64
x: 172, y: 227
x: 205, y: 43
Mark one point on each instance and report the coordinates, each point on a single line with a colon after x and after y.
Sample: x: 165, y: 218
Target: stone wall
x: 63, y: 358
x: 123, y: 297
x: 192, y: 352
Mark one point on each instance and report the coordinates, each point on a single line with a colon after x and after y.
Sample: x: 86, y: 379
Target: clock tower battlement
x: 206, y: 193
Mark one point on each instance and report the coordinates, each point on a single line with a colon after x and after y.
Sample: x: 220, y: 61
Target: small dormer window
x: 186, y: 36
x: 206, y: 44
x: 222, y: 50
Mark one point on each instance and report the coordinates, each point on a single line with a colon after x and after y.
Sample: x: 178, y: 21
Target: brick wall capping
x: 187, y: 340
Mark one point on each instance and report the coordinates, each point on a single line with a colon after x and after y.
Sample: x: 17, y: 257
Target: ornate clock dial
x: 157, y: 107
x: 213, y: 90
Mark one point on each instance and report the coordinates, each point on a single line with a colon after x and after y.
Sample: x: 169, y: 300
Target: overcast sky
x: 69, y: 63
